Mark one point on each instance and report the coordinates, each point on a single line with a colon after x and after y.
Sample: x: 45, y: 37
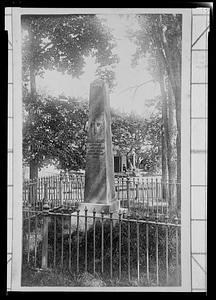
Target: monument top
x: 98, y: 82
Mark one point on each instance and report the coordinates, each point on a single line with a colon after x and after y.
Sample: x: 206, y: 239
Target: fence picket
x: 77, y: 269
x: 120, y: 244
x: 45, y: 236
x: 138, y: 255
x: 36, y: 225
x: 94, y: 212
x: 69, y: 244
x: 147, y: 249
x: 54, y: 244
x: 157, y: 265
x: 167, y: 252
x: 102, y: 242
x: 128, y: 222
x: 86, y: 241
x: 111, y: 232
x: 116, y: 249
x: 177, y: 253
x: 143, y: 197
x: 62, y: 240
x: 140, y: 194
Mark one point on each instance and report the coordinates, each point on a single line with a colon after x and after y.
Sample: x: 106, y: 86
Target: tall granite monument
x: 99, y: 175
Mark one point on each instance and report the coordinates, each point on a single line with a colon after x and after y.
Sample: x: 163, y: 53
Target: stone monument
x: 99, y: 191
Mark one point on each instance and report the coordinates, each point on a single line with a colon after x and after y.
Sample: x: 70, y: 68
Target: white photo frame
x: 185, y: 145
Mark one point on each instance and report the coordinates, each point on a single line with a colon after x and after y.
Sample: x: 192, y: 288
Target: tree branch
x: 43, y: 48
x: 137, y: 86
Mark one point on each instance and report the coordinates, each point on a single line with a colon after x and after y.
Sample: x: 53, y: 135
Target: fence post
x: 60, y: 189
x: 30, y: 192
x: 111, y: 244
x: 118, y: 189
x: 137, y: 191
x: 45, y: 200
x: 37, y: 199
x: 128, y: 192
x: 138, y: 246
x: 120, y: 242
x: 34, y: 193
x: 45, y: 236
x: 177, y: 252
x: 102, y: 241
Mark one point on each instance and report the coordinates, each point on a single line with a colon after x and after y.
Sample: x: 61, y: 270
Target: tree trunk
x: 33, y: 172
x: 172, y: 145
x: 175, y: 70
x: 173, y: 58
x: 32, y: 80
x: 165, y: 193
x: 178, y: 147
x: 172, y: 63
x: 165, y: 187
x: 178, y: 138
x: 168, y: 147
x: 33, y: 165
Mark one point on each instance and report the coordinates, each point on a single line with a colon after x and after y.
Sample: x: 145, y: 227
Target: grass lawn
x: 55, y: 277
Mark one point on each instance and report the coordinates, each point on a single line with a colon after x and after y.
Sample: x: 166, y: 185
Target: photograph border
x: 185, y: 147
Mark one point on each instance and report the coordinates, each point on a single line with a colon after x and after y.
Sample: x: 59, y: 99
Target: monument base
x: 99, y: 207
x: 114, y: 207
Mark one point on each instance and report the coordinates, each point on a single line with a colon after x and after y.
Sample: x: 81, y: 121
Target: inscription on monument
x: 95, y: 149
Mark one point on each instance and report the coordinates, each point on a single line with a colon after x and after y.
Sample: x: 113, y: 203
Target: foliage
x: 62, y: 42
x: 155, y: 34
x: 143, y: 136
x: 108, y: 75
x: 151, y: 155
x: 128, y: 131
x: 159, y: 42
x: 56, y: 130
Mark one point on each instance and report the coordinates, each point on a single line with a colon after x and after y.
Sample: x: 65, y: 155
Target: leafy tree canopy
x: 132, y: 133
x: 57, y: 131
x: 62, y: 42
x: 158, y: 36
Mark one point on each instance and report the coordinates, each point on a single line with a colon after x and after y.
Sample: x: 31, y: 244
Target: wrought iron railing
x: 151, y: 195
x: 121, y: 247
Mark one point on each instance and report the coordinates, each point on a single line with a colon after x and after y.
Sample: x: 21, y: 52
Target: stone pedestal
x: 99, y: 175
x: 99, y: 207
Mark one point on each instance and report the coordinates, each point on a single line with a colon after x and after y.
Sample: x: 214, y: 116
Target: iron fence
x: 134, y: 193
x: 122, y: 248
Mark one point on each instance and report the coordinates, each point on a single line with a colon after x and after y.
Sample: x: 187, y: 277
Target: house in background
x: 121, y: 159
